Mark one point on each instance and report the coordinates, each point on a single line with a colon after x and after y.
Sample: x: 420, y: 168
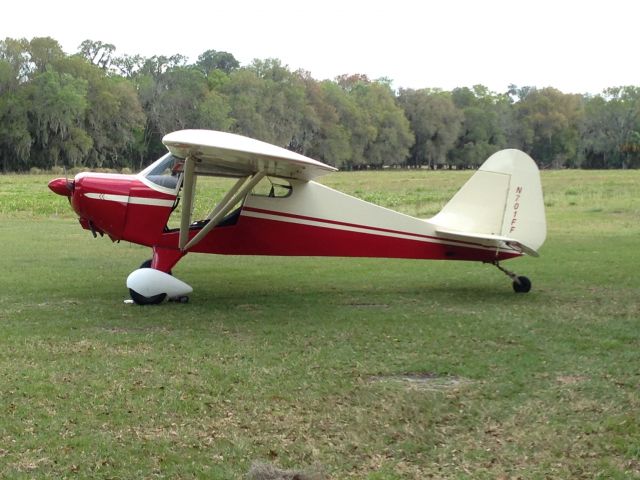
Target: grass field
x: 358, y: 368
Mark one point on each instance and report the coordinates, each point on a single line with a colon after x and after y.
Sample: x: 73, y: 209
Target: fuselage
x: 311, y: 220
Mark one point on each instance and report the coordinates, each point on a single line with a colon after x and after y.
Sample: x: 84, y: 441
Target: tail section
x: 501, y: 203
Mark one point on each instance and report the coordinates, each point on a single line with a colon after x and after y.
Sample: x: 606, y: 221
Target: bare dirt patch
x: 265, y: 471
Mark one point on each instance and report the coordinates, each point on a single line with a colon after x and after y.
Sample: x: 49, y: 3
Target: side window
x: 272, y: 187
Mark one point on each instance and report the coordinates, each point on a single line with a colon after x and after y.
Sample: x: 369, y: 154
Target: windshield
x: 163, y: 172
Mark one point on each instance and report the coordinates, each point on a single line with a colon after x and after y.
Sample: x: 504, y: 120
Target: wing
x: 230, y: 155
x: 208, y: 152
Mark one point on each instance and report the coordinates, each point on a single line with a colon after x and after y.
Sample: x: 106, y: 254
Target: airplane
x: 497, y: 215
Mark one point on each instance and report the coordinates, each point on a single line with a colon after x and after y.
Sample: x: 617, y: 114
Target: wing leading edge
x: 227, y: 154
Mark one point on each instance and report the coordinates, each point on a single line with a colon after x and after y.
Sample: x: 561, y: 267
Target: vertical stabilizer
x: 502, y: 200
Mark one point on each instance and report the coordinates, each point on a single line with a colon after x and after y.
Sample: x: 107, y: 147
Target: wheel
x: 523, y: 285
x: 142, y: 300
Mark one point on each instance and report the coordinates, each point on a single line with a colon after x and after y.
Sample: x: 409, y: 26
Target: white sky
x: 573, y: 46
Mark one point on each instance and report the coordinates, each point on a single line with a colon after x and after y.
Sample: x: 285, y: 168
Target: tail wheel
x: 521, y: 285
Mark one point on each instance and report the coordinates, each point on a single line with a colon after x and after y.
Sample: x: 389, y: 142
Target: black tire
x: 523, y: 285
x: 142, y: 300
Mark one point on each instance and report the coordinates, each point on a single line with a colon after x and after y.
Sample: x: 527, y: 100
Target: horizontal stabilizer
x: 488, y: 240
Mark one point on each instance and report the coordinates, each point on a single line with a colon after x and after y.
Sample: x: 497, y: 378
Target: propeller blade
x: 70, y: 183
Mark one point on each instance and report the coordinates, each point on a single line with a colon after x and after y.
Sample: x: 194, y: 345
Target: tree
x: 481, y: 132
x: 435, y: 122
x: 153, y: 83
x: 346, y: 137
x: 16, y: 54
x: 388, y: 130
x: 547, y: 121
x: 15, y: 138
x: 97, y: 109
x: 44, y: 53
x: 321, y: 135
x: 114, y: 121
x: 97, y: 52
x: 610, y: 130
x: 267, y: 102
x: 58, y: 105
x: 113, y: 118
x: 213, y: 60
x: 128, y: 65
x: 214, y: 112
x: 349, y: 82
x: 157, y: 65
x: 182, y: 91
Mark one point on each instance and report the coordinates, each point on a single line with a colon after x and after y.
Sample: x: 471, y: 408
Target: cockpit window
x: 164, y: 172
x: 272, y: 187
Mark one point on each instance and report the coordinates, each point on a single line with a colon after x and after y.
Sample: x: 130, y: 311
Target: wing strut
x: 225, y: 200
x: 187, y: 205
x: 239, y: 190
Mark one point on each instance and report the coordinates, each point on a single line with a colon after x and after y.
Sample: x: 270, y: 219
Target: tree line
x: 95, y: 109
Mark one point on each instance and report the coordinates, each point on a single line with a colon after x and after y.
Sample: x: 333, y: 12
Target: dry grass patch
x: 422, y: 381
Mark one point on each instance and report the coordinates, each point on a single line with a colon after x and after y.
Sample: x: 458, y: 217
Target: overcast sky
x: 574, y: 46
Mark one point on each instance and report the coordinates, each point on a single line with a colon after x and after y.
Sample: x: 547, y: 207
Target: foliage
x: 97, y: 109
x: 213, y: 60
x: 611, y: 129
x: 548, y: 123
x: 482, y: 131
x: 436, y: 123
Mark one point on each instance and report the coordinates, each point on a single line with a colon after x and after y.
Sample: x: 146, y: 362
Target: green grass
x: 298, y: 361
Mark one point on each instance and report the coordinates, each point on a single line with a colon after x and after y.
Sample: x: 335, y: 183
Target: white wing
x: 231, y: 155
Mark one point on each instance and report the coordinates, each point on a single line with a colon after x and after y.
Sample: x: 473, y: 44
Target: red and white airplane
x: 498, y: 214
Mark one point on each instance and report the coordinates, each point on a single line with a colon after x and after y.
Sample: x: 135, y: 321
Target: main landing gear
x: 148, y: 286
x: 520, y: 284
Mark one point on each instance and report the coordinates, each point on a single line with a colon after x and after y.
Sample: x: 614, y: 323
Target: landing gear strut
x: 520, y: 284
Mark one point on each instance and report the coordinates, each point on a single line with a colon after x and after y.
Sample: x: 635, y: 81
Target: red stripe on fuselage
x: 353, y: 225
x: 261, y: 236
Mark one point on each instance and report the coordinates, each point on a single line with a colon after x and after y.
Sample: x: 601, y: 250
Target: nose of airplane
x: 62, y: 186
